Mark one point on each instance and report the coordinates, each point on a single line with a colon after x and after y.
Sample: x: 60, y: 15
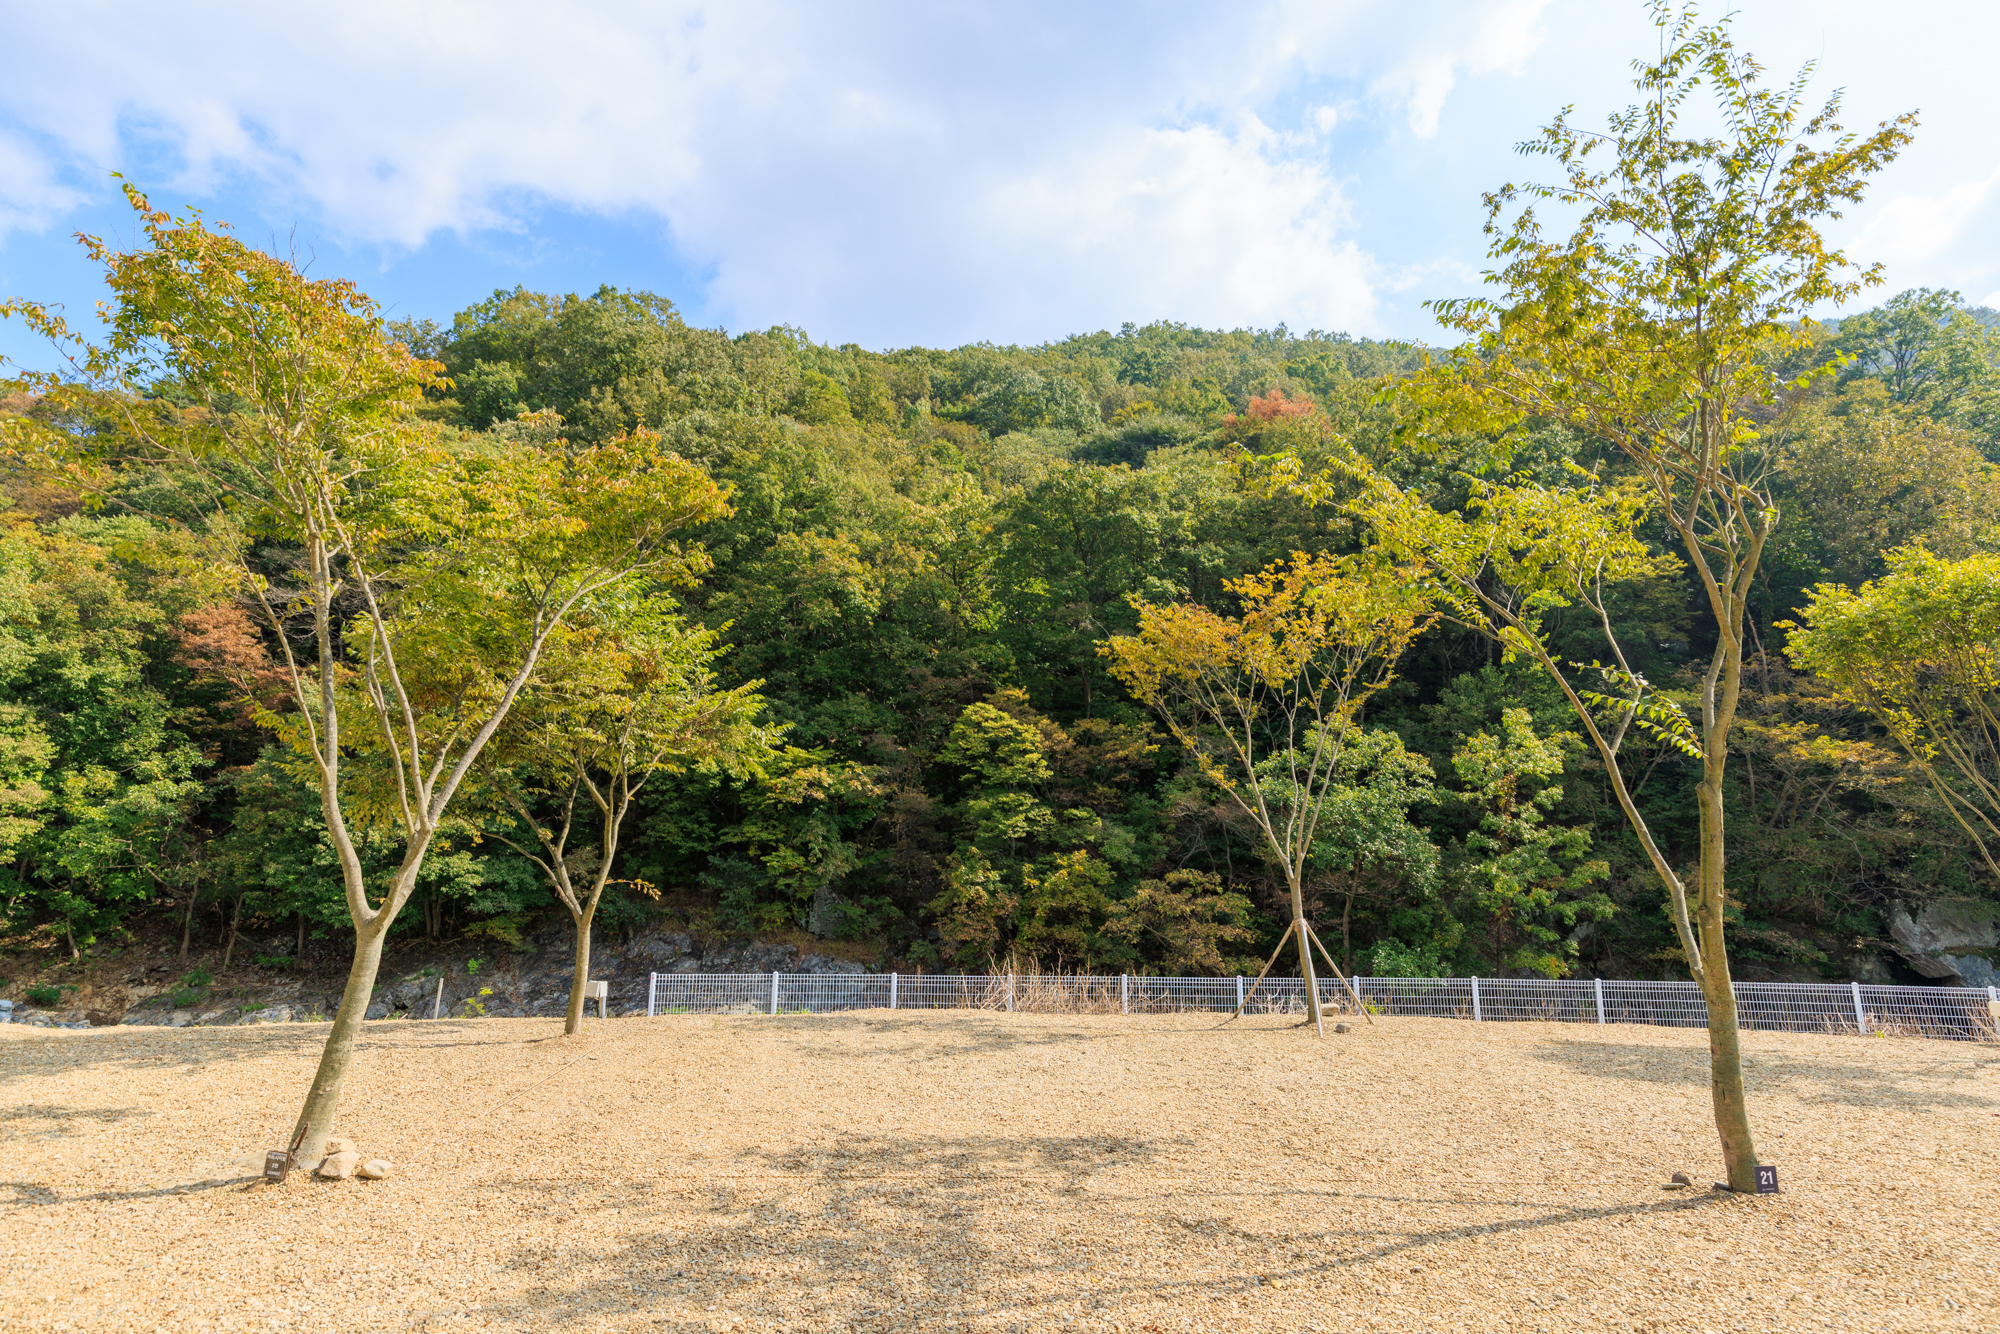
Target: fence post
x: 1475, y: 1000
x: 1125, y: 993
x: 1239, y: 991
x: 652, y: 992
x: 1010, y: 993
x: 1860, y: 1019
x: 892, y: 991
x: 774, y: 993
x: 1354, y: 985
x: 1600, y: 998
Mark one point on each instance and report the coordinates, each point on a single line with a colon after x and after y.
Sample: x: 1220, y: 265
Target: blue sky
x: 897, y: 174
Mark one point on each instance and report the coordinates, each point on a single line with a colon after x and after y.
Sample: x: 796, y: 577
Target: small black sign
x: 277, y: 1162
x: 1767, y: 1181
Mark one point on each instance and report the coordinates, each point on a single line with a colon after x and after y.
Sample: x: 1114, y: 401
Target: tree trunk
x: 235, y: 919
x: 574, y: 1025
x: 1305, y: 956
x: 187, y: 923
x: 315, y: 1121
x: 299, y: 954
x: 1725, y: 1051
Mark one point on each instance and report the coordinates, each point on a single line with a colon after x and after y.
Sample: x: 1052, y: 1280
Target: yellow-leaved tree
x: 1658, y: 326
x: 1264, y: 701
x: 410, y: 582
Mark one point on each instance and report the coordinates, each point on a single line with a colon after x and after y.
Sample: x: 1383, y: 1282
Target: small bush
x: 274, y: 961
x: 200, y: 977
x: 506, y: 928
x: 1392, y: 958
x: 186, y: 998
x: 44, y: 995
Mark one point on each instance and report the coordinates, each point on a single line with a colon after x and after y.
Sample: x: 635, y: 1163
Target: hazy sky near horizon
x: 894, y: 173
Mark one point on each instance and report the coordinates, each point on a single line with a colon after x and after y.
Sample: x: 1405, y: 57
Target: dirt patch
x: 994, y: 1172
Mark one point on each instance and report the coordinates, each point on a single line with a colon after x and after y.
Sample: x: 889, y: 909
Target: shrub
x: 44, y: 995
x: 274, y: 961
x: 200, y: 977
x: 1392, y: 958
x: 505, y: 928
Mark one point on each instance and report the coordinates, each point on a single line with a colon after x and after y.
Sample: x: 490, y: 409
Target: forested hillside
x: 924, y: 553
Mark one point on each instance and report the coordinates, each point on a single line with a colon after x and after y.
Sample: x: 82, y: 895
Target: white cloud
x: 1197, y: 223
x: 1911, y: 229
x: 883, y: 170
x: 30, y: 196
x: 1498, y: 40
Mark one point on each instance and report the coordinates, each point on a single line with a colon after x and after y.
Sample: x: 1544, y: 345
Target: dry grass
x: 953, y: 1170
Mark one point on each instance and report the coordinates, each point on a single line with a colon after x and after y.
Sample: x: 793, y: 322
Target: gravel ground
x: 995, y: 1172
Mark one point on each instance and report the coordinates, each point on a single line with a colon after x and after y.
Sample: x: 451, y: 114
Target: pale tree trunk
x: 235, y: 919
x: 187, y: 922
x: 316, y: 1119
x: 574, y: 1024
x: 1305, y: 954
x: 1725, y: 1050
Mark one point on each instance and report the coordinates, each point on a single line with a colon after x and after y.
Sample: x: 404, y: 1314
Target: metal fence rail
x: 1793, y: 1007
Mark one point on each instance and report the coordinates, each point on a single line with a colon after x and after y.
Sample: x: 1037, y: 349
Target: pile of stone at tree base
x: 341, y: 1162
x: 480, y: 979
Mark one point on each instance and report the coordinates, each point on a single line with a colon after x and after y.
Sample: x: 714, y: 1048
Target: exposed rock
x: 273, y: 1014
x: 338, y: 1144
x: 1952, y: 940
x: 339, y: 1166
x: 379, y: 1010
x: 1342, y: 1028
x: 104, y: 1018
x: 1870, y: 970
x: 375, y: 1169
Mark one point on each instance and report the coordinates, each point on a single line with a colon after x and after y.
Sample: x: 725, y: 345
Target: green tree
x: 1187, y: 917
x: 1919, y: 649
x: 1530, y: 876
x: 1924, y: 347
x: 612, y: 707
x: 1365, y: 847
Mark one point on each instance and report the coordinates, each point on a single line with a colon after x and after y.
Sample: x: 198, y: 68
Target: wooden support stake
x: 1260, y: 977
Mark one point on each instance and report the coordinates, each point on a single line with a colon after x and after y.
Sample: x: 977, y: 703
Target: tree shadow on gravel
x: 1940, y: 1086
x: 860, y: 1231
x: 869, y: 1232
x: 145, y: 1047
x: 900, y: 1038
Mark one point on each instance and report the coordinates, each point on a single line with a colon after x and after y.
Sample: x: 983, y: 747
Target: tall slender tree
x: 1659, y: 326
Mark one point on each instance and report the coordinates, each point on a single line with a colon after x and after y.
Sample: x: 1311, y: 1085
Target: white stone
x: 339, y: 1166
x: 375, y: 1169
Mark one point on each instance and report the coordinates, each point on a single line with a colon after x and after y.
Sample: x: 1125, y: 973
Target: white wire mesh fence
x: 1794, y: 1007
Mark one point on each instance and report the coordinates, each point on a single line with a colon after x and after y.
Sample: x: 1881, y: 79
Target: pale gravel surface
x: 995, y: 1172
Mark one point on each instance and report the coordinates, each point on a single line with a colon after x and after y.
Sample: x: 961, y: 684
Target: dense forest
x: 922, y: 553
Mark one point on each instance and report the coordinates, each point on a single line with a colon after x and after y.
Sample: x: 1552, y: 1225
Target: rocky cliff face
x: 1956, y: 941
